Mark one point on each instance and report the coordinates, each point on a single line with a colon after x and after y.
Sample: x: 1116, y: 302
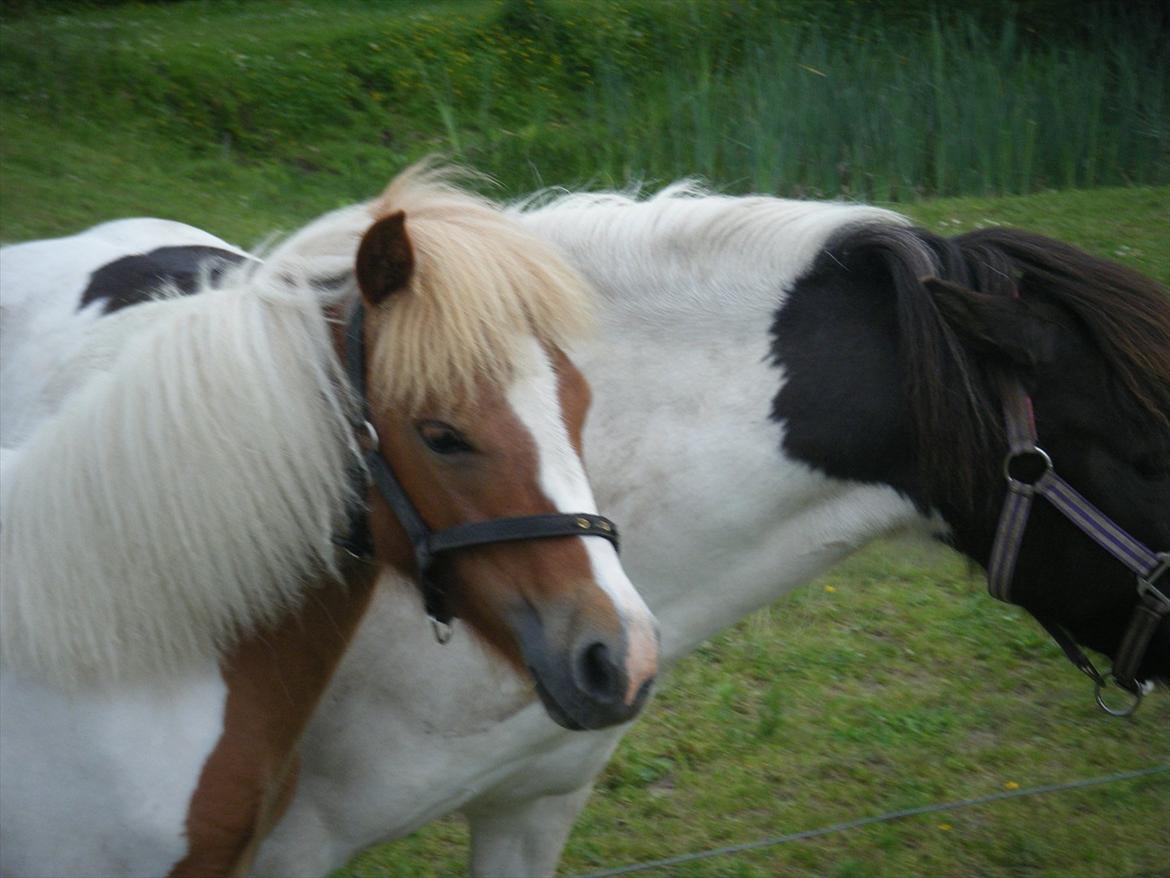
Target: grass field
x: 787, y: 96
x: 891, y: 683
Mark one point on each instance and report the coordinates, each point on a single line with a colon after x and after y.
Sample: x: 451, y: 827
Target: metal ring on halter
x: 443, y: 630
x: 1137, y: 696
x: 1012, y: 456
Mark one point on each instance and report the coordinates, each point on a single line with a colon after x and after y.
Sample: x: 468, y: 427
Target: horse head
x: 1088, y: 342
x: 478, y: 413
x: 901, y: 350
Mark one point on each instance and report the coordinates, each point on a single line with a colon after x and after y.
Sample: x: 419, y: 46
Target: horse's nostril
x: 597, y: 675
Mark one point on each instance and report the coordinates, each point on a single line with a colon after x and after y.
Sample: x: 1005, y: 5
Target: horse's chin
x: 556, y: 713
x: 584, y: 716
x: 568, y: 697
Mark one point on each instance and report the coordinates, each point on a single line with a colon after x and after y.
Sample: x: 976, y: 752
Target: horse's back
x: 34, y: 274
x: 52, y: 292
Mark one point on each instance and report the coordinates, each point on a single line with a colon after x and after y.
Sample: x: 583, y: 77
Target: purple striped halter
x: 1029, y: 473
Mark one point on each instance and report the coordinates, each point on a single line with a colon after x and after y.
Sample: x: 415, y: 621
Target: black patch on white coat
x: 843, y: 404
x: 132, y: 280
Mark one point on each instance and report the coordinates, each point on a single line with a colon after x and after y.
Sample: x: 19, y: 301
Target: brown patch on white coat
x: 274, y: 681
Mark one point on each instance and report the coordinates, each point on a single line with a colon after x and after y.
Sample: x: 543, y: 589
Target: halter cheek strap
x: 426, y: 543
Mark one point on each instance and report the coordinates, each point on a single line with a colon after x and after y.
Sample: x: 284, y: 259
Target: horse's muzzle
x: 586, y: 685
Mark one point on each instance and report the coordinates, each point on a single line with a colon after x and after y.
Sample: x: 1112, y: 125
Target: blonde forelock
x: 481, y: 285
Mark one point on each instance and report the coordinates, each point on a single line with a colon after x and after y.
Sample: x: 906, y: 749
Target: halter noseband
x: 1149, y: 567
x: 425, y: 542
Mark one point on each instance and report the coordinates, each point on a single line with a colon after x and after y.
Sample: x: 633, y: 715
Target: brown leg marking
x: 274, y: 681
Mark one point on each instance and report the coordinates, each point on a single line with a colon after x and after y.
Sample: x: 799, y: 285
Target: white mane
x: 186, y: 493
x: 678, y: 246
x: 190, y: 488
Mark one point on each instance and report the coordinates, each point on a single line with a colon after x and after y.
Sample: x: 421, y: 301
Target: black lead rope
x: 425, y: 542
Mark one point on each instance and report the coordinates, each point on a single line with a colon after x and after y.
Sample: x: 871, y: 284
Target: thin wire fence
x: 881, y: 818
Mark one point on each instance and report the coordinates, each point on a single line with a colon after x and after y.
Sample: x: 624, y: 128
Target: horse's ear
x: 385, y: 259
x: 1000, y: 326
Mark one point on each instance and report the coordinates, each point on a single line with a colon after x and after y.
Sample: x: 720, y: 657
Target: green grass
x: 760, y: 95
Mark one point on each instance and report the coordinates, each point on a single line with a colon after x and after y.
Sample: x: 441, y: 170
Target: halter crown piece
x: 425, y: 542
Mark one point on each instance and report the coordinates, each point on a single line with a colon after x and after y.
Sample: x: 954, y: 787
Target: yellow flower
x: 830, y: 588
x: 1011, y: 785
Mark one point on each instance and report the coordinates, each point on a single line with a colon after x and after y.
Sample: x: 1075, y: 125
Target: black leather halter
x: 1029, y: 474
x: 425, y: 542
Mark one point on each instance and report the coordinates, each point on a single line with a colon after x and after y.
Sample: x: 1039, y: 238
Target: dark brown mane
x: 1126, y: 313
x: 954, y: 409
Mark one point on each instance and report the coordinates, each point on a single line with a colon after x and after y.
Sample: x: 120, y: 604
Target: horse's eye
x: 443, y: 438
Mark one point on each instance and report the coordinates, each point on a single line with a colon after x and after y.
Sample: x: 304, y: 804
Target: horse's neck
x: 43, y: 321
x: 717, y: 521
x: 44, y: 361
x: 301, y: 651
x: 213, y: 750
x: 718, y: 258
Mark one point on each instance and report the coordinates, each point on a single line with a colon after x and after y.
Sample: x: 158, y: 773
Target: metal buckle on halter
x: 1137, y: 696
x: 1021, y: 485
x: 1100, y: 682
x: 1147, y: 586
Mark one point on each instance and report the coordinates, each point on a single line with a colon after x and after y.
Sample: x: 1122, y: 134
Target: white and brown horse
x: 178, y: 478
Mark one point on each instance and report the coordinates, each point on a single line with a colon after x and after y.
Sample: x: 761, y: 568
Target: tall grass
x: 871, y: 114
x: 539, y: 92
